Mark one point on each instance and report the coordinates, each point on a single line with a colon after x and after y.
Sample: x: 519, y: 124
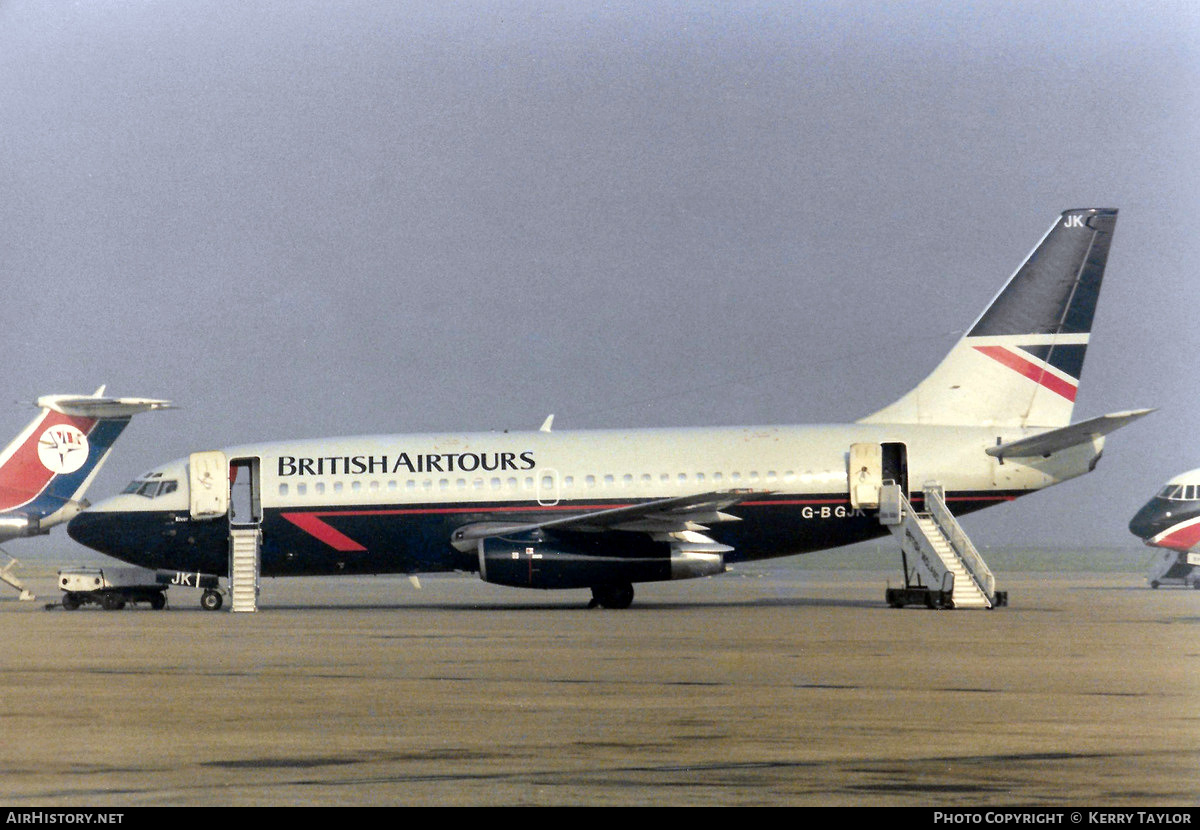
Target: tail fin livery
x: 46, y: 469
x: 1020, y: 363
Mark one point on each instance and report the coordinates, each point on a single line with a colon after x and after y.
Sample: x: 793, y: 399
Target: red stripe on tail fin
x: 24, y: 474
x: 1030, y: 370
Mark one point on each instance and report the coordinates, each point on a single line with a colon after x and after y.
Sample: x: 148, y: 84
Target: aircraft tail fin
x: 45, y: 470
x: 1020, y: 363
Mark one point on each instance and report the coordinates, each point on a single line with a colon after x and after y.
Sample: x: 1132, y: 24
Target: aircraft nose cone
x: 93, y: 530
x: 1147, y: 522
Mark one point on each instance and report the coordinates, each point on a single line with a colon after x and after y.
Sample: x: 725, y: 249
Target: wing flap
x: 681, y: 514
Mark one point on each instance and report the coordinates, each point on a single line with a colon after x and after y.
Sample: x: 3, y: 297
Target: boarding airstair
x: 1172, y: 567
x: 941, y: 566
x: 244, y: 544
x: 6, y: 576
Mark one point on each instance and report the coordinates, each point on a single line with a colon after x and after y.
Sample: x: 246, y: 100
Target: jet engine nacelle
x: 18, y: 524
x: 540, y: 562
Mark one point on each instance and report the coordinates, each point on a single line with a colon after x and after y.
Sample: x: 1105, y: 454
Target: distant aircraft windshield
x: 1180, y: 492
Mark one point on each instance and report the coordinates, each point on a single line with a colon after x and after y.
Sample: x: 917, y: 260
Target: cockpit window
x: 151, y: 489
x: 1180, y: 492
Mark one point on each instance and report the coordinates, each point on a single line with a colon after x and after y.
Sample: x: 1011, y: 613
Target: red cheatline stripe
x: 312, y: 524
x: 315, y: 525
x: 1030, y: 370
x: 1182, y: 537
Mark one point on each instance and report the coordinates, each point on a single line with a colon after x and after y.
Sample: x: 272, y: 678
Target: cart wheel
x: 70, y: 602
x: 210, y: 600
x: 112, y: 602
x: 158, y: 601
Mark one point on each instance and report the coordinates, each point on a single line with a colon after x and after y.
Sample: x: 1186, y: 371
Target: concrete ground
x: 777, y: 686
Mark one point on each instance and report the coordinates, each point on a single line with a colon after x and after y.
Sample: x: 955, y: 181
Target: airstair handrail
x: 935, y: 505
x: 892, y: 498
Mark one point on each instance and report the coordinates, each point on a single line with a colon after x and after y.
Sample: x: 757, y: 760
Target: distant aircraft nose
x: 1144, y: 521
x: 1159, y: 515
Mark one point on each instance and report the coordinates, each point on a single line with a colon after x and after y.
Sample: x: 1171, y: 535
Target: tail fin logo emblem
x: 62, y: 449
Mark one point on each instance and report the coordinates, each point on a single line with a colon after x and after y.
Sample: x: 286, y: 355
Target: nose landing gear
x: 211, y: 600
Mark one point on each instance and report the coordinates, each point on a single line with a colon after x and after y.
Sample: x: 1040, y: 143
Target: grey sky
x: 307, y: 218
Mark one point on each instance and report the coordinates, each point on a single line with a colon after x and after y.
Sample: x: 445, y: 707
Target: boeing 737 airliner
x: 607, y: 509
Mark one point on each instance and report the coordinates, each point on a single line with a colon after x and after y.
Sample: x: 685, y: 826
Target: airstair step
x: 244, y: 569
x: 938, y: 550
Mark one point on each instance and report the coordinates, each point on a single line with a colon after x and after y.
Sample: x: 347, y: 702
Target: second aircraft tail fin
x: 45, y: 470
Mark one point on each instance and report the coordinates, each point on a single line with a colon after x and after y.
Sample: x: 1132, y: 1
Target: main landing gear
x: 619, y: 595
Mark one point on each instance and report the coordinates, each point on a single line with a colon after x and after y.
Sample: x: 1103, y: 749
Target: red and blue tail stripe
x: 28, y: 484
x: 1037, y: 370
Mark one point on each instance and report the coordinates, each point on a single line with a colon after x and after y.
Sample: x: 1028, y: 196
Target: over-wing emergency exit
x: 46, y: 469
x: 1171, y: 521
x: 607, y: 509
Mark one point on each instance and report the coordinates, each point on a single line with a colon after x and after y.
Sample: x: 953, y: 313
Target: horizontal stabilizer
x: 88, y: 406
x: 1068, y: 436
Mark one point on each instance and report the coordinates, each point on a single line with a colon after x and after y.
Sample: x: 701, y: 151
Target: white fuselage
x: 392, y: 502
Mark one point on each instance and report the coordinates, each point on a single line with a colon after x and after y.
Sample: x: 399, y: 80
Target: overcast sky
x: 311, y: 218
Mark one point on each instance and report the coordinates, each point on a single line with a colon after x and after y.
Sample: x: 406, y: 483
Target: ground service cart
x: 111, y: 588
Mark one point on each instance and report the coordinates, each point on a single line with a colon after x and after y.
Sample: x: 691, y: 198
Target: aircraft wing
x: 662, y: 516
x: 1068, y: 436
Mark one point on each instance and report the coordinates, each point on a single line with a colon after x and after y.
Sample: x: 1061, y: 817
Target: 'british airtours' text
x: 446, y: 462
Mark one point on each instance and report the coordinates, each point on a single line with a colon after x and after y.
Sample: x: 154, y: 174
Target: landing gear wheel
x: 158, y: 601
x: 1154, y: 583
x: 211, y: 600
x: 612, y: 596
